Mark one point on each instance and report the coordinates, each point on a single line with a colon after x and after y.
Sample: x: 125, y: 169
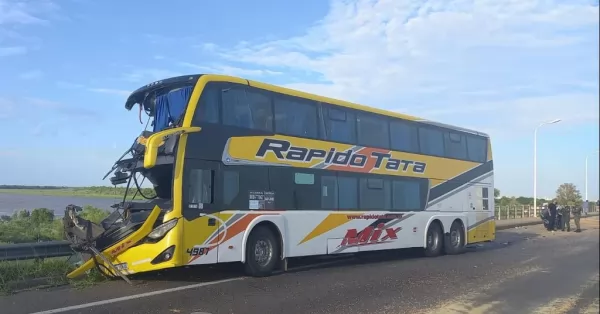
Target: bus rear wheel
x: 434, y: 240
x: 455, y: 243
x: 262, y: 252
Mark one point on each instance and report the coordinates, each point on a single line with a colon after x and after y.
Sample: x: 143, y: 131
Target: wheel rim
x: 432, y: 240
x: 263, y: 252
x: 455, y: 238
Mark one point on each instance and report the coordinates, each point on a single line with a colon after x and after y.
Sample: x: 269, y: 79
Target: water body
x: 9, y: 203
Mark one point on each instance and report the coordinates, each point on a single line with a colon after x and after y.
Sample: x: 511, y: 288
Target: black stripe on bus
x: 460, y: 180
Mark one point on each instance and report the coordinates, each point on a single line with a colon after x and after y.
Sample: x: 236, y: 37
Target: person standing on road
x: 577, y: 216
x: 566, y: 218
x: 552, y: 208
x: 559, y: 217
x: 586, y: 205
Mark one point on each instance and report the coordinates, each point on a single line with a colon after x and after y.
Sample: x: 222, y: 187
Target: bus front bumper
x: 131, y: 254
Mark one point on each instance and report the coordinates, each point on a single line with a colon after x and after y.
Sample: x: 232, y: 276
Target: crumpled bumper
x: 113, y: 250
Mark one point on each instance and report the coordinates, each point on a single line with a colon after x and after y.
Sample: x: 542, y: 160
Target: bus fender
x: 275, y: 219
x: 429, y: 222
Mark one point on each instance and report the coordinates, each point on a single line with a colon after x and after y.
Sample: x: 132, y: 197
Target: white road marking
x: 136, y: 296
x: 158, y: 292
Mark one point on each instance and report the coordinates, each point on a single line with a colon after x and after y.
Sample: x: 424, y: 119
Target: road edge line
x: 136, y: 296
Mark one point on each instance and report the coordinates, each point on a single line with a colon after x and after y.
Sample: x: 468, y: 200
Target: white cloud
x: 229, y: 70
x: 31, y: 75
x: 15, y: 14
x: 18, y: 12
x: 496, y: 65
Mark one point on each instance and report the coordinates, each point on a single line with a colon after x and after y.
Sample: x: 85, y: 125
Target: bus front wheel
x: 262, y: 252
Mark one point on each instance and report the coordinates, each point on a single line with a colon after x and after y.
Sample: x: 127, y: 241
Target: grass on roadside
x: 17, y: 274
x: 21, y: 275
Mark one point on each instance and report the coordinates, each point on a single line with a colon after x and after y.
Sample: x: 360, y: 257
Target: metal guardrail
x: 525, y: 211
x: 25, y: 251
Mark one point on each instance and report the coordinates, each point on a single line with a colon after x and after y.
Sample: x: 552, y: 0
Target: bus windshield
x: 165, y: 101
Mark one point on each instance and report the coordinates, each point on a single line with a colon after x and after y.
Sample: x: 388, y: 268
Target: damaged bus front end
x: 139, y: 236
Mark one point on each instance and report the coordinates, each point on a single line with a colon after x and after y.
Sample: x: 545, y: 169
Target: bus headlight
x: 161, y: 230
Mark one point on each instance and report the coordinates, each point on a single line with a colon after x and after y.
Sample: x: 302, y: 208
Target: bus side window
x: 347, y: 192
x: 404, y: 136
x: 431, y: 141
x: 375, y: 194
x: 246, y: 107
x: 485, y: 197
x: 340, y: 124
x: 231, y: 186
x: 407, y: 195
x: 207, y: 109
x: 296, y: 117
x: 306, y: 188
x: 295, y: 189
x: 200, y: 187
x: 456, y: 145
x: 477, y: 148
x: 239, y: 181
x: 373, y: 131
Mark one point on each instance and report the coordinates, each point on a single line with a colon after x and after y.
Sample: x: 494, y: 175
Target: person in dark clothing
x: 559, y: 217
x: 552, y: 208
x: 566, y: 218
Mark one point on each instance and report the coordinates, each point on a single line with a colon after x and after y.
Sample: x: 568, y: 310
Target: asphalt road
x: 527, y: 270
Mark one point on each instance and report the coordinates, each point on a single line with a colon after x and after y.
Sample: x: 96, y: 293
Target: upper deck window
x: 340, y: 125
x: 477, y: 148
x: 404, y: 136
x: 208, y: 106
x: 456, y: 145
x: 246, y: 108
x: 296, y: 117
x: 431, y: 141
x: 373, y: 131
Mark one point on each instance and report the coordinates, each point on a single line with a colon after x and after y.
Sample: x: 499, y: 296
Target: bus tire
x: 455, y: 242
x: 434, y: 241
x: 262, y: 252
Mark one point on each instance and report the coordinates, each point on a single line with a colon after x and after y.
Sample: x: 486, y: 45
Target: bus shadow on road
x: 194, y: 273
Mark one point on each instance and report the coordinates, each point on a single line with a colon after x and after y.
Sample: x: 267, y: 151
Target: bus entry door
x: 201, y: 230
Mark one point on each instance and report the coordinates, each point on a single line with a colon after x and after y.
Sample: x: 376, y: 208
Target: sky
x: 501, y: 67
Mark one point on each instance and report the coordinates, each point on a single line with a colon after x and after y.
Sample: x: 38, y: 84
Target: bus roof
x: 138, y: 94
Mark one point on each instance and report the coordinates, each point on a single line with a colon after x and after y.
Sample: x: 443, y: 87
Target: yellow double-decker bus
x: 254, y: 173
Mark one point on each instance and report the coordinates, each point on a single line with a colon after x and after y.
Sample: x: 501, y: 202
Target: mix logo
x: 369, y: 235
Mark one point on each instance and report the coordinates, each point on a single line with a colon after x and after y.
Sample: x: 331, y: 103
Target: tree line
x: 566, y: 194
x: 31, y: 187
x: 87, y: 190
